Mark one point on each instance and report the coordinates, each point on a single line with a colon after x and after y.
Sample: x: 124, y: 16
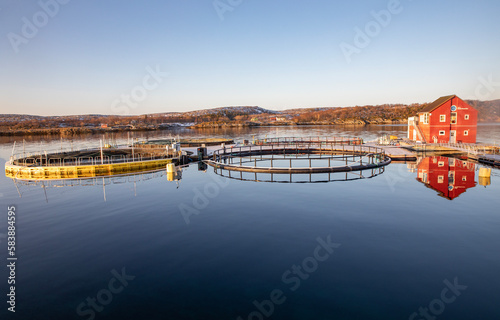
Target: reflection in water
x: 300, y: 177
x: 25, y: 186
x: 243, y: 239
x: 202, y: 166
x: 174, y: 173
x: 450, y: 177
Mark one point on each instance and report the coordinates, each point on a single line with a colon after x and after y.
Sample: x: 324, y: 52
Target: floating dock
x: 489, y: 159
x: 193, y: 142
x: 396, y: 153
x: 342, y: 144
x: 482, y: 153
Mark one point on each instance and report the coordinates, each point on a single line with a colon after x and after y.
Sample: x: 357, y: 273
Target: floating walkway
x: 193, y: 142
x: 489, y: 159
x: 339, y: 144
x: 396, y: 153
x: 331, y: 141
x: 486, y: 154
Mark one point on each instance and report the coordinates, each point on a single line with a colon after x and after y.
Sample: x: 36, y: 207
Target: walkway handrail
x: 64, y: 158
x: 312, y: 140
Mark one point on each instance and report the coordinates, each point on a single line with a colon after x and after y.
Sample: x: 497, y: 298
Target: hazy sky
x: 118, y: 57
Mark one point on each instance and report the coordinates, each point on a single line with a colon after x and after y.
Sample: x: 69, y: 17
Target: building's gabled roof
x: 437, y: 103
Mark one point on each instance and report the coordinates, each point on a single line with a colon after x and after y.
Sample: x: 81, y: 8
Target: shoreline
x: 79, y: 130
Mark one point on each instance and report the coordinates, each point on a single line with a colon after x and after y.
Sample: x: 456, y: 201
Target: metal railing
x: 72, y: 159
x: 343, y: 157
x: 310, y: 140
x: 471, y: 148
x: 414, y: 124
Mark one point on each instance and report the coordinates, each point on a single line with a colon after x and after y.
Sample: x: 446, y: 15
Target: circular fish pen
x: 303, y: 156
x: 88, y: 163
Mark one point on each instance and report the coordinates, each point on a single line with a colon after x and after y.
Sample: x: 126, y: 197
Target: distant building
x: 448, y: 176
x: 449, y: 119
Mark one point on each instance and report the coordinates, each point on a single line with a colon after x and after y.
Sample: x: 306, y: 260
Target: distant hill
x: 221, y: 111
x: 489, y: 111
x: 231, y: 111
x: 387, y: 113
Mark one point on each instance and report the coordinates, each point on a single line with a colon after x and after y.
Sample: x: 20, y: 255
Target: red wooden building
x: 448, y: 176
x: 448, y: 119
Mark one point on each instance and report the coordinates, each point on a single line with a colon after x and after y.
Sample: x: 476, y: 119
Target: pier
x: 489, y: 159
x: 485, y: 154
x: 192, y: 142
x: 396, y: 153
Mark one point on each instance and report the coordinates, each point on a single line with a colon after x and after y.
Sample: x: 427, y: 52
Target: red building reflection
x: 448, y: 176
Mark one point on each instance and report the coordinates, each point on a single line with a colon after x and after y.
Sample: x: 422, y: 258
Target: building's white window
x: 452, y: 162
x: 440, y: 179
x: 441, y: 164
x: 466, y: 132
x: 466, y: 117
x: 464, y: 178
x: 426, y: 118
x: 442, y: 118
x: 442, y: 132
x: 453, y: 118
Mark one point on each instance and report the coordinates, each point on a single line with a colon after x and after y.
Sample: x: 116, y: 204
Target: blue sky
x: 83, y: 57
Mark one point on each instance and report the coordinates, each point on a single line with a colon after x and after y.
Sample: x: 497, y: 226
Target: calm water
x: 208, y: 247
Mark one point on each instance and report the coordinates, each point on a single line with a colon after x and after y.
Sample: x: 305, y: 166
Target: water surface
x: 208, y: 247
